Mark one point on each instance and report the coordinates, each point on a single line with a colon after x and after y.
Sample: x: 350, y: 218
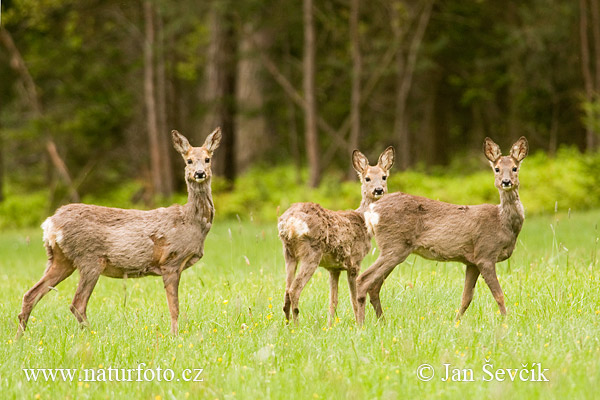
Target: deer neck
x: 511, y: 210
x: 200, y: 204
x: 365, y: 203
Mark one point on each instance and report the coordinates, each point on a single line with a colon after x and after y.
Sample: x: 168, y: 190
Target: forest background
x: 90, y: 90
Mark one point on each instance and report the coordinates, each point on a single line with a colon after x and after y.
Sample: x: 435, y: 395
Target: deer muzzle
x: 378, y: 192
x: 199, y: 176
x: 506, y: 184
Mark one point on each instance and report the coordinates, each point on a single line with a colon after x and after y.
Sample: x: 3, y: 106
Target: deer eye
x: 384, y: 177
x: 514, y: 169
x: 207, y: 160
x: 367, y: 179
x: 189, y: 161
x: 497, y: 169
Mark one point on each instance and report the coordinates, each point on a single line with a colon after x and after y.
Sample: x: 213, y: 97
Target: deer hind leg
x: 372, y: 279
x: 374, y: 295
x: 59, y: 268
x: 334, y: 277
x: 488, y: 271
x: 471, y: 275
x: 290, y: 272
x: 88, y: 277
x: 308, y: 266
x: 171, y: 282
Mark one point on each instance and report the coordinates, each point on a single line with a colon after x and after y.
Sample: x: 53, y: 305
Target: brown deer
x: 122, y: 243
x: 478, y: 236
x: 337, y: 240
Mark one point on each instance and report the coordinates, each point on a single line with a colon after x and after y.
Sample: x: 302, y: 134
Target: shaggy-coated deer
x: 338, y: 240
x: 122, y: 243
x: 478, y: 236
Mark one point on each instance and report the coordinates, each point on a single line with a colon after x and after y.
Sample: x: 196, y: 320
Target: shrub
x: 569, y: 179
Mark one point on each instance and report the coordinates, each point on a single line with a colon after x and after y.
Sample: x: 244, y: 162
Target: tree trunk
x: 219, y: 91
x: 252, y: 137
x: 161, y: 107
x: 158, y: 187
x: 293, y: 126
x: 356, y: 82
x: 585, y: 68
x: 310, y: 113
x: 405, y: 72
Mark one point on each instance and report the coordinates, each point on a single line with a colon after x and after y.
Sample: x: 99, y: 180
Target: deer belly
x: 328, y: 261
x: 123, y: 273
x: 436, y: 254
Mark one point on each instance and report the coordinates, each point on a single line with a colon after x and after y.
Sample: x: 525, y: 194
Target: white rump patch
x: 293, y: 227
x: 371, y: 220
x: 52, y: 235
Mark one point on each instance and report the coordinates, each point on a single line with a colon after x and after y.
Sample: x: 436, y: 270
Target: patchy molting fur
x: 127, y: 243
x: 478, y: 236
x: 337, y: 240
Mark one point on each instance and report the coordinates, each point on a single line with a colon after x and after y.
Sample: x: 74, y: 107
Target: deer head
x: 506, y: 168
x: 198, y: 159
x: 373, y: 179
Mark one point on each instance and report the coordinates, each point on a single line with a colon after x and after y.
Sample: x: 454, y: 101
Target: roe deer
x: 122, y: 243
x: 478, y: 236
x: 338, y: 240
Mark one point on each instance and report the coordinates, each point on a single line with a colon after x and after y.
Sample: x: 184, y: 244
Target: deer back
x: 340, y: 234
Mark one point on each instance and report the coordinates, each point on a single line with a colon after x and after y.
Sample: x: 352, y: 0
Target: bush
x: 569, y: 179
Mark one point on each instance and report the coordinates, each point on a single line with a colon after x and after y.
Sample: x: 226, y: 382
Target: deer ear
x: 519, y: 150
x: 181, y: 144
x: 386, y: 159
x: 491, y: 150
x: 359, y: 162
x: 213, y: 140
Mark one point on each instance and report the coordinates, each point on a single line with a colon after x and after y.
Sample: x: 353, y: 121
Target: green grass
x: 232, y: 326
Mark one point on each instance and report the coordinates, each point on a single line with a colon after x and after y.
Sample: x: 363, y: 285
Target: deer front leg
x: 488, y: 271
x: 334, y: 276
x: 471, y: 275
x: 171, y: 282
x: 352, y: 275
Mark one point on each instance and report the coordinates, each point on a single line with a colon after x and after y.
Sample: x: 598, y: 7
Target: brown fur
x: 121, y: 243
x: 478, y: 236
x: 337, y: 240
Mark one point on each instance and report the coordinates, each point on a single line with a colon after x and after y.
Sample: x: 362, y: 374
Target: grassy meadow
x: 232, y: 326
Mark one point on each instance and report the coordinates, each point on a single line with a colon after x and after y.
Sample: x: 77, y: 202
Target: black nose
x: 506, y: 182
x: 199, y: 175
x: 378, y: 192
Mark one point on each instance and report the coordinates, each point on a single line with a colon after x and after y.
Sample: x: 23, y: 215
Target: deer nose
x: 199, y: 175
x: 506, y: 182
x: 378, y: 192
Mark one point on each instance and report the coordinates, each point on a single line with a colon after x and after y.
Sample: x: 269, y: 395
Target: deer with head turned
x: 126, y: 243
x: 478, y: 236
x: 336, y: 240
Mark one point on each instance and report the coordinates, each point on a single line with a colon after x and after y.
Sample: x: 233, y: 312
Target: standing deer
x: 122, y: 243
x: 478, y: 236
x: 338, y: 240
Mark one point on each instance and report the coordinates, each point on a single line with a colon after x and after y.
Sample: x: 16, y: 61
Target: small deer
x: 124, y: 244
x: 478, y: 236
x: 337, y: 240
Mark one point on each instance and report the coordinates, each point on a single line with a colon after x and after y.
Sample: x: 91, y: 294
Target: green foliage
x: 20, y: 210
x: 570, y: 180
